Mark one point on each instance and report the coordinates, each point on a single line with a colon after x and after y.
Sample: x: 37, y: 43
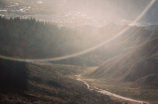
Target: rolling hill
x: 138, y: 62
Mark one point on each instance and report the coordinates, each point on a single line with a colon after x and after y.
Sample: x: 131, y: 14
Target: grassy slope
x: 50, y: 84
x: 128, y: 73
x: 131, y: 66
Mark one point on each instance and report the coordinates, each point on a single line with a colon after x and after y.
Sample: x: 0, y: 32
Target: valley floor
x: 141, y: 94
x: 51, y: 84
x: 56, y: 84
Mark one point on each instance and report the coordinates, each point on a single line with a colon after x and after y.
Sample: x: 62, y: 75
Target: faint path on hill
x: 109, y: 93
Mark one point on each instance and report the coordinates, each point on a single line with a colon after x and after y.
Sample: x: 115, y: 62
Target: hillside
x: 140, y: 60
x: 149, y: 81
x: 50, y: 84
x: 33, y: 39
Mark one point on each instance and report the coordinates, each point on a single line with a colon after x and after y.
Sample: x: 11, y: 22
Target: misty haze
x: 78, y: 52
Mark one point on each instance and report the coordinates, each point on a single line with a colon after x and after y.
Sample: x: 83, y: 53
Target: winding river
x: 109, y: 93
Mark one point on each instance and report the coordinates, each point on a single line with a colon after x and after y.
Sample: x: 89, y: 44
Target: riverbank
x: 109, y: 93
